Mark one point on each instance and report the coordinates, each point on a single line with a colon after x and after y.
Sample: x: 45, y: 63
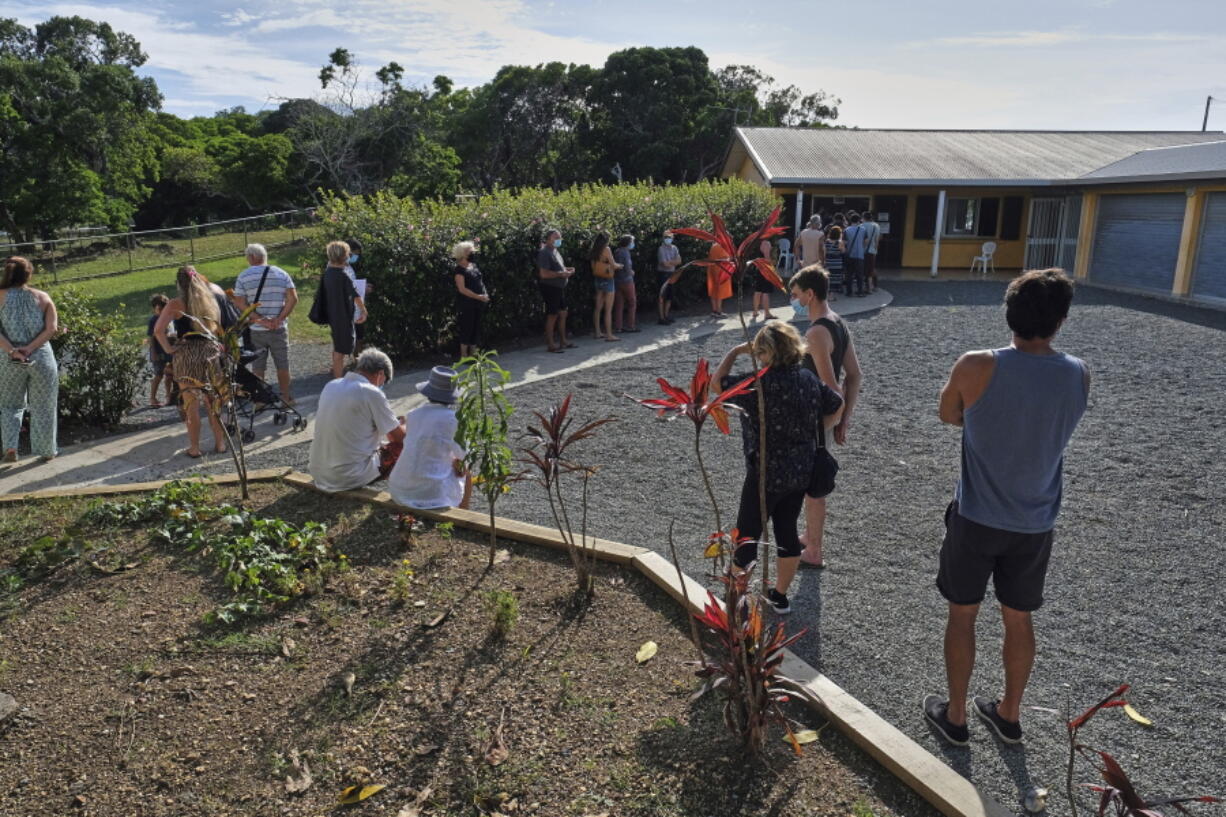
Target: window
x: 961, y: 217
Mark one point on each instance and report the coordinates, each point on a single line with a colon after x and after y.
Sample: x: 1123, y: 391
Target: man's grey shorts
x: 273, y: 342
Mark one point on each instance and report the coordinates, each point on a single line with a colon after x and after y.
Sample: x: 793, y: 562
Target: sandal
x: 194, y: 456
x: 611, y: 339
x: 568, y: 345
x: 805, y: 563
x: 155, y: 404
x: 554, y: 349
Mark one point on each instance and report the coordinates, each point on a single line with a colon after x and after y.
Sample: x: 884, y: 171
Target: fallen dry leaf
x: 497, y: 752
x: 356, y: 794
x: 287, y: 646
x: 1137, y: 716
x: 414, y: 809
x: 803, y: 736
x: 303, y: 780
x: 501, y: 556
x: 647, y: 652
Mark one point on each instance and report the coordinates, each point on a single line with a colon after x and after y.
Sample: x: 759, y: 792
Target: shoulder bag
x: 825, y: 466
x: 319, y: 306
x: 247, y: 343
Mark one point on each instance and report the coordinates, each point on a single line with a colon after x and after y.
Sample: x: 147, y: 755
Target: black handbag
x: 319, y: 307
x: 825, y: 466
x: 247, y: 344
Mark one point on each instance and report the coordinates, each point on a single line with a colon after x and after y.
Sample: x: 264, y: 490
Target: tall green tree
x: 74, y: 126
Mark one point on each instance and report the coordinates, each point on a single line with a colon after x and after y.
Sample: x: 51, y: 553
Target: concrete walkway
x: 157, y: 452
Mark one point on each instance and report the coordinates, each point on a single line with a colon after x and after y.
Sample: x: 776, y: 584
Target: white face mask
x: 668, y: 241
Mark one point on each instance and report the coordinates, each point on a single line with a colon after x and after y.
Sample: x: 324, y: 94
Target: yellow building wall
x: 955, y: 252
x: 749, y: 172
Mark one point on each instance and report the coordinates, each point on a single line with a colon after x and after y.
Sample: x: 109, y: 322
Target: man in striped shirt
x: 273, y: 289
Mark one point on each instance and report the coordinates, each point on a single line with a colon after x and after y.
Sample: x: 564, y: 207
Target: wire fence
x: 83, y: 256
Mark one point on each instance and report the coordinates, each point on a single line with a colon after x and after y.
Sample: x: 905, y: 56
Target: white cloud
x: 1033, y: 39
x: 238, y: 17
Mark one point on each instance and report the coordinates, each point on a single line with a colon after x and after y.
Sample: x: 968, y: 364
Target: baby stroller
x: 252, y: 397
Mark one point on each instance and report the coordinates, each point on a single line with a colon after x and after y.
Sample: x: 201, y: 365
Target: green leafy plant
x: 179, y: 507
x: 503, y: 607
x: 101, y: 362
x: 402, y: 581
x: 483, y: 420
x: 550, y: 455
x: 406, y: 241
x: 445, y: 529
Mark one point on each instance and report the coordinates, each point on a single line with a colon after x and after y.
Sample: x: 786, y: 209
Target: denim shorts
x: 605, y: 285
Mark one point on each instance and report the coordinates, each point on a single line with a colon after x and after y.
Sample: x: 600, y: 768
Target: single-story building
x: 1151, y: 204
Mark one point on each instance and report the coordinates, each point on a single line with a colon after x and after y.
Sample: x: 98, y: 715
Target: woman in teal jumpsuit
x: 29, y: 376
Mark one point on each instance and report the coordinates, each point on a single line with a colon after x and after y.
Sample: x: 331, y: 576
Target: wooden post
x: 1085, y: 235
x: 54, y: 275
x: 129, y: 244
x: 1193, y: 212
x: 191, y: 243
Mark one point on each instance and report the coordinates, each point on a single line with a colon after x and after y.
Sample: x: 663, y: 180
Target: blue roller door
x: 1209, y: 276
x: 1136, y: 242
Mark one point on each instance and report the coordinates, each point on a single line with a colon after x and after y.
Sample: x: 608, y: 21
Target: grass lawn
x: 129, y: 294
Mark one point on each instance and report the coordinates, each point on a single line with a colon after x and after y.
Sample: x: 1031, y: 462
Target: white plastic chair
x: 984, y: 259
x: 786, y: 259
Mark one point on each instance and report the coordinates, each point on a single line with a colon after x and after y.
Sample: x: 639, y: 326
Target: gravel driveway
x: 1133, y: 591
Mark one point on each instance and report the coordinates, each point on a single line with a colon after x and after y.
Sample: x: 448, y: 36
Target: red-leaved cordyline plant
x: 734, y: 265
x: 549, y: 455
x: 1118, y: 797
x: 747, y: 670
x: 697, y: 404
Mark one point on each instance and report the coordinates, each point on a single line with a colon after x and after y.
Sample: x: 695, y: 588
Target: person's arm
x: 291, y: 301
x: 725, y: 366
x: 396, y: 435
x: 967, y: 382
x: 611, y: 260
x: 466, y: 292
x: 159, y: 328
x: 851, y: 391
x: 50, y: 327
x: 828, y: 395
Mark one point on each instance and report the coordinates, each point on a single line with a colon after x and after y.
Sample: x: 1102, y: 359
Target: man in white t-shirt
x: 811, y: 244
x: 273, y: 289
x: 352, y: 419
x: 872, y: 233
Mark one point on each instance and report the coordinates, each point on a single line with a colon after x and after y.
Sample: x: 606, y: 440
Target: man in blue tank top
x: 1017, y: 407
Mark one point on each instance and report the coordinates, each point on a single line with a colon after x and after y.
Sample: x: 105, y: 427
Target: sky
x: 1069, y: 65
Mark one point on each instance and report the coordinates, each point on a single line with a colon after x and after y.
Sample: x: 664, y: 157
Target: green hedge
x: 407, y: 248
x: 102, y: 363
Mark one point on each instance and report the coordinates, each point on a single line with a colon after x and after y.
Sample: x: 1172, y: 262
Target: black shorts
x: 343, y: 338
x: 761, y: 285
x: 555, y: 299
x: 1016, y: 562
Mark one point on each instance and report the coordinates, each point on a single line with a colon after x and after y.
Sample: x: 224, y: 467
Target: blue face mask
x: 668, y: 241
x: 353, y: 259
x: 631, y: 247
x: 557, y: 242
x: 800, y: 309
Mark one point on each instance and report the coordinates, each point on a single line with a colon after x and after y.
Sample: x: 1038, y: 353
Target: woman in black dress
x: 340, y: 298
x: 470, y: 298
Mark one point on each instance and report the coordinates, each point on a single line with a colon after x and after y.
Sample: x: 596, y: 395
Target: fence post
x: 129, y: 243
x: 55, y: 276
x: 191, y: 243
x: 291, y: 228
x: 246, y: 240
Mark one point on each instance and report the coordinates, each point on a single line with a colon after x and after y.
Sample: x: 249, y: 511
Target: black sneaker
x: 778, y: 601
x: 1007, y: 731
x: 936, y: 713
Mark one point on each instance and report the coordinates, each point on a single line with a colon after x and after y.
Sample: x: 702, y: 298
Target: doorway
x: 891, y: 212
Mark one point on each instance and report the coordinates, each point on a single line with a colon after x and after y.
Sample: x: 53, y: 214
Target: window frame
x: 973, y: 232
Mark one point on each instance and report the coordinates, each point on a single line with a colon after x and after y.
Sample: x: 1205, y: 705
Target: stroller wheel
x: 248, y: 436
x: 299, y: 424
x: 232, y: 428
x: 278, y: 419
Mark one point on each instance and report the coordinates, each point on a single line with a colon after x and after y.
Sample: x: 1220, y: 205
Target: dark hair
x: 355, y: 246
x: 834, y: 233
x: 839, y: 218
x: 598, y: 246
x: 159, y: 301
x: 1037, y: 301
x: 853, y: 217
x: 550, y: 231
x: 17, y: 272
x: 624, y: 240
x: 813, y: 278
x: 868, y: 215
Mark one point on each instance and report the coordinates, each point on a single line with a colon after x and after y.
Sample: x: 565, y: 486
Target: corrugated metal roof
x: 1179, y: 161
x: 815, y: 156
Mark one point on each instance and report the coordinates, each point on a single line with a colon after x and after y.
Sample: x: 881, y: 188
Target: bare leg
x: 596, y: 313
x: 551, y: 321
x: 785, y: 572
x: 561, y: 328
x: 219, y: 435
x: 191, y: 417
x: 338, y: 364
x: 153, y: 390
x: 815, y: 525
x: 283, y: 383
x: 468, y: 490
x: 1019, y: 660
x: 959, y: 657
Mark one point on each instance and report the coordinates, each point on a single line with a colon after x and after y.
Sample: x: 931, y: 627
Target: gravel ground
x: 1132, y: 593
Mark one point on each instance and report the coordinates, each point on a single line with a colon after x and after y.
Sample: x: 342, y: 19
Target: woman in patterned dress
x: 29, y: 378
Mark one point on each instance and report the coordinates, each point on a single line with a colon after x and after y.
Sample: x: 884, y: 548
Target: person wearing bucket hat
x: 431, y: 474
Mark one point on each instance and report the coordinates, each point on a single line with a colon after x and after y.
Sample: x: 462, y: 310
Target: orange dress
x: 715, y: 287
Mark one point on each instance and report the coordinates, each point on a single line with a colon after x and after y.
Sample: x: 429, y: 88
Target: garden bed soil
x: 129, y: 705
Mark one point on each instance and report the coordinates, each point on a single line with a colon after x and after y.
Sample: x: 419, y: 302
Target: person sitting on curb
x: 352, y: 419
x: 431, y: 474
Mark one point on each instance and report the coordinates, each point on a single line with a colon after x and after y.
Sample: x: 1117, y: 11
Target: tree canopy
x: 83, y: 142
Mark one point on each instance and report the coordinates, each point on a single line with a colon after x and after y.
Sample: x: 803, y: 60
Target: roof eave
x: 1196, y: 176
x: 798, y: 181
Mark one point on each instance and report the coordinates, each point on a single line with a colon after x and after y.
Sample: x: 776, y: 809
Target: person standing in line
x: 872, y: 232
x: 552, y: 276
x: 719, y: 284
x: 1017, y: 407
x: 353, y: 268
x: 854, y: 240
x: 626, y: 305
x: 762, y: 288
x: 796, y: 401
x: 197, y: 313
x: 668, y: 261
x: 158, y: 359
x: 811, y: 244
x: 341, y: 299
x: 470, y: 298
x: 273, y: 289
x: 29, y: 376
x: 603, y: 271
x: 830, y: 354
x: 833, y: 253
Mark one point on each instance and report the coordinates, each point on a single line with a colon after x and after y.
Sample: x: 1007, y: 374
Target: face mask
x: 353, y: 259
x: 799, y: 308
x: 557, y: 242
x: 472, y: 256
x: 631, y: 247
x: 668, y: 241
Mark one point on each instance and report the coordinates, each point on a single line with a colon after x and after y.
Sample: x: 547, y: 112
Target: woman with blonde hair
x: 470, y: 298
x: 196, y: 313
x: 30, y: 376
x: 340, y: 299
x: 796, y: 401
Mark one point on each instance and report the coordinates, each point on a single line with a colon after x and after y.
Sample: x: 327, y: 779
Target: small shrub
x: 402, y: 581
x: 483, y: 422
x: 445, y: 529
x: 102, y: 364
x: 504, y: 608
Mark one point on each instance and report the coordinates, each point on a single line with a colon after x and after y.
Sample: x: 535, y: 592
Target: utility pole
x: 1205, y: 122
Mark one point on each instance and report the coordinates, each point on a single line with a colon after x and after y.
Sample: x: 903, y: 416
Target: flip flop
x: 554, y: 351
x: 568, y: 346
x: 195, y: 456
